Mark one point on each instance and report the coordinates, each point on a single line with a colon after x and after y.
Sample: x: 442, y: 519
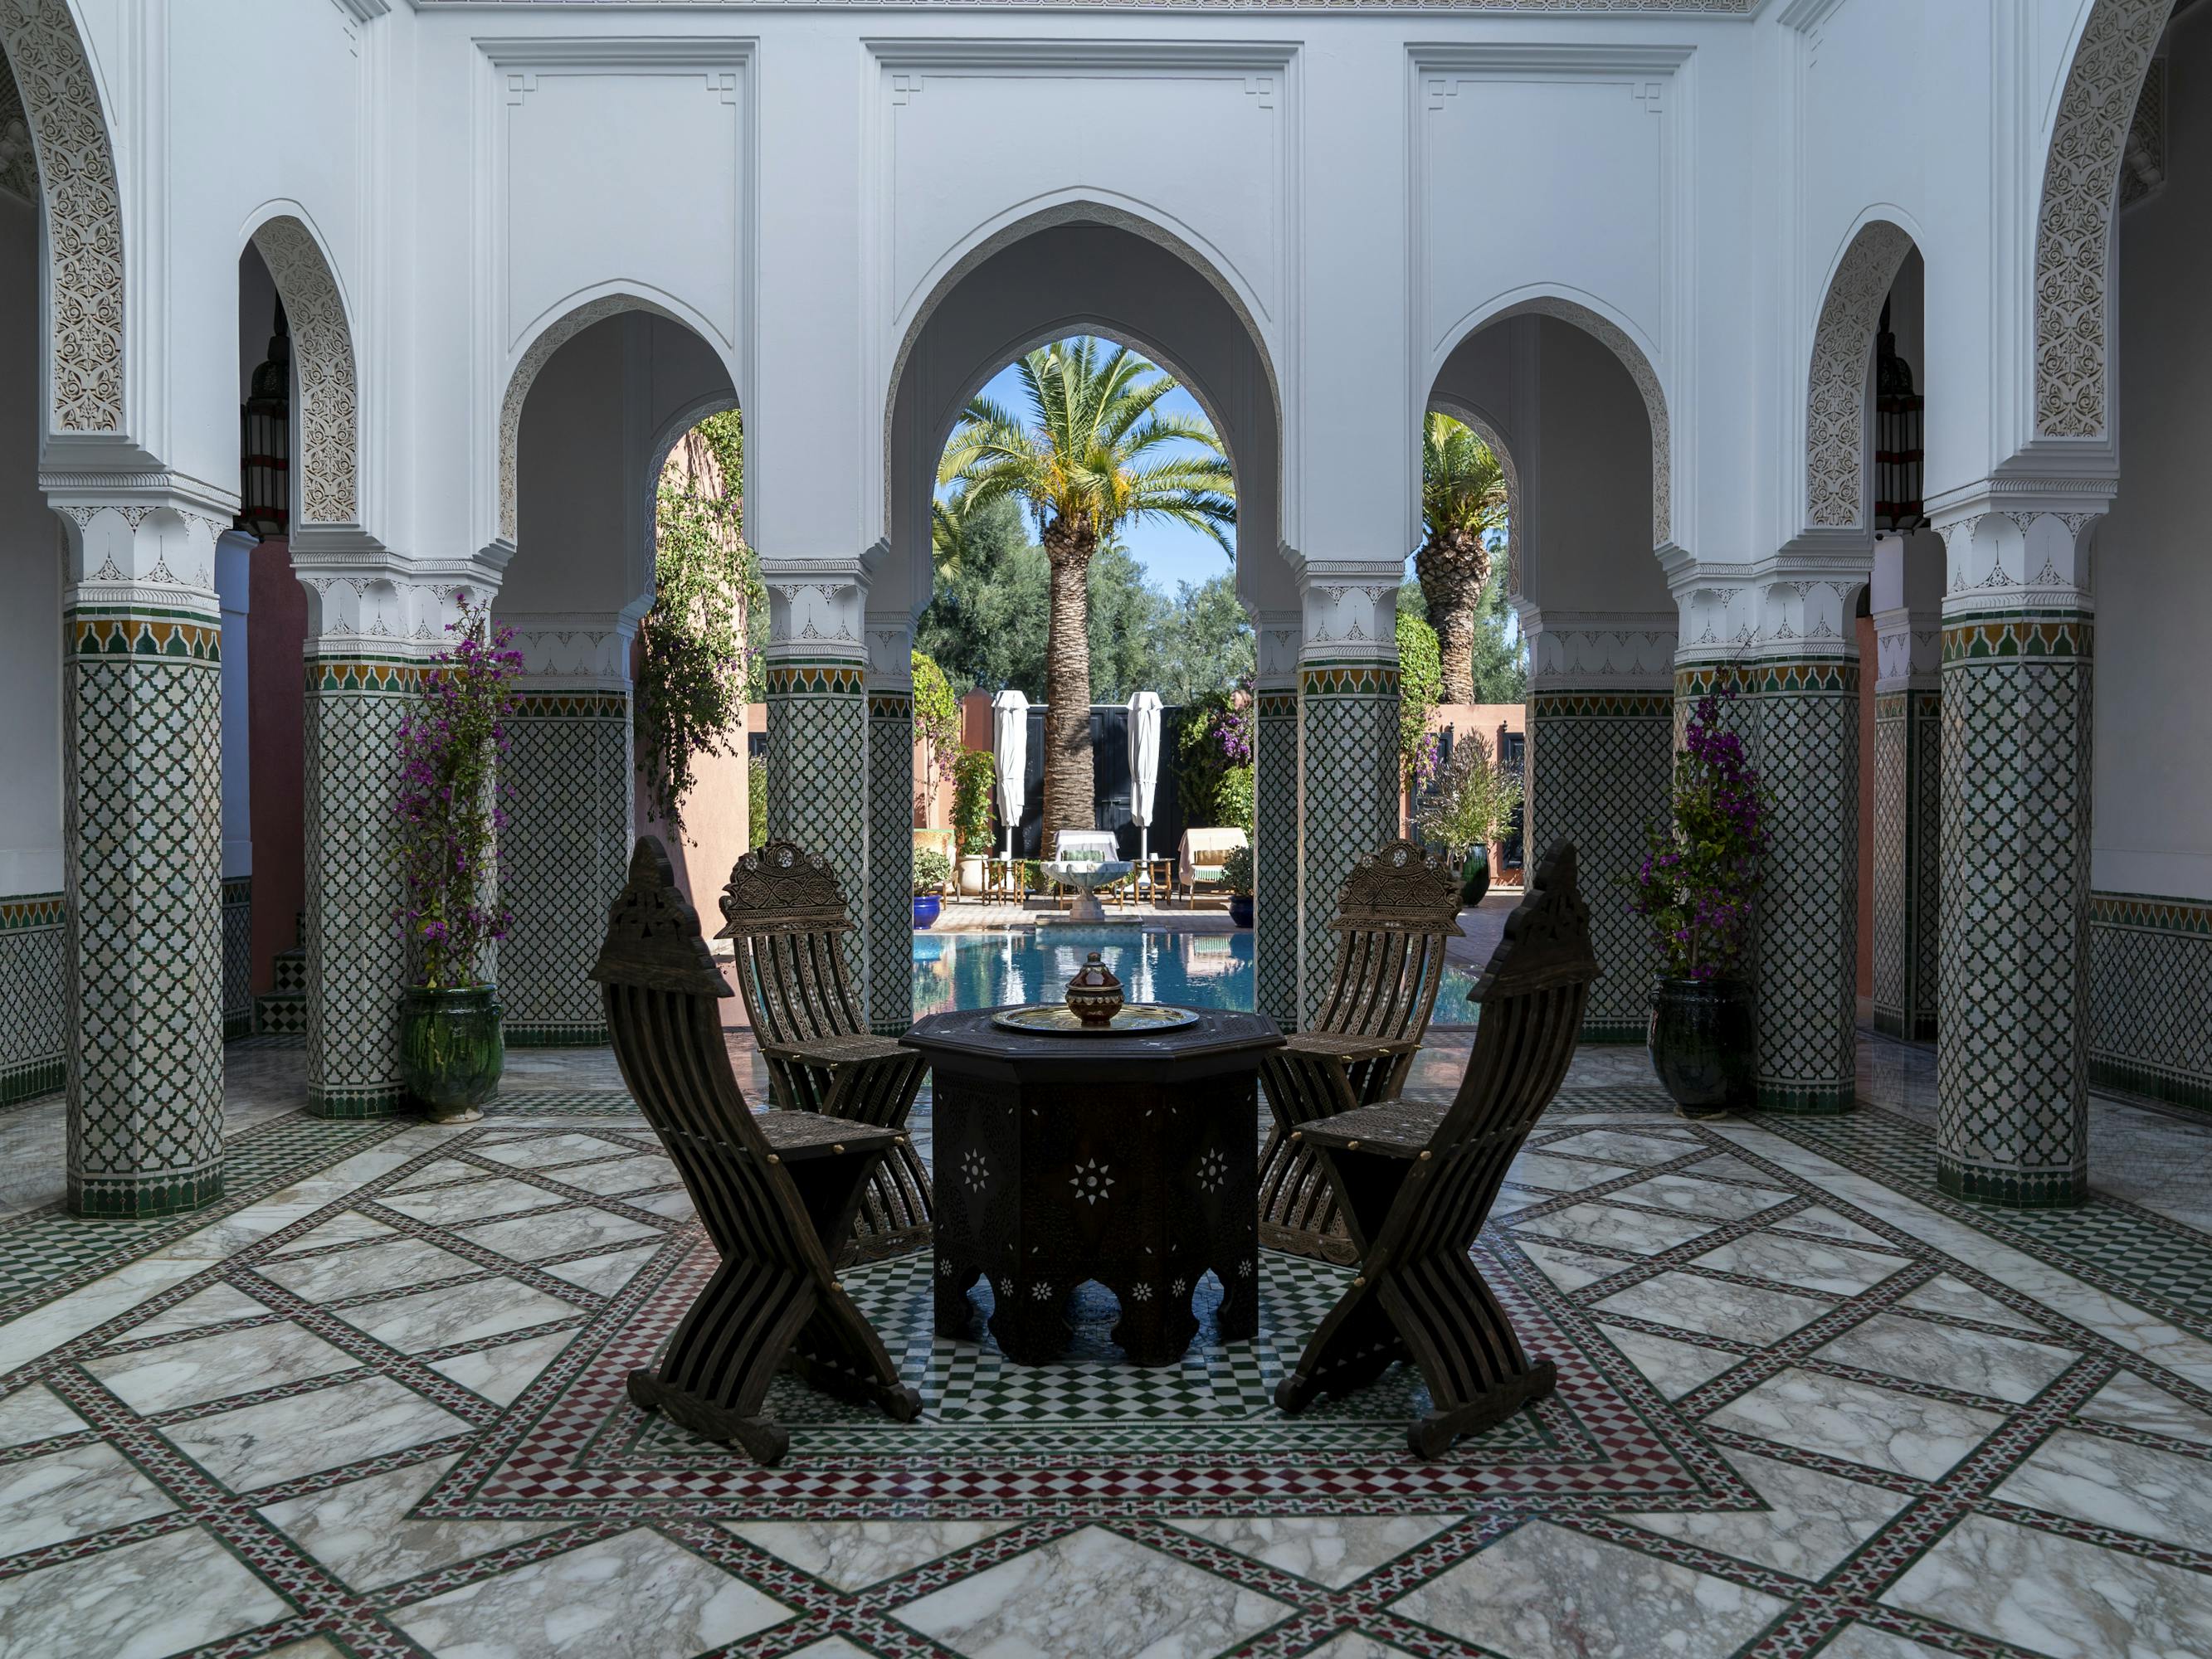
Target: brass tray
x: 1130, y: 1020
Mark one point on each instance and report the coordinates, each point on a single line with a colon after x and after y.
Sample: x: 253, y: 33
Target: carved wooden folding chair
x: 1399, y: 905
x: 776, y: 1193
x: 1419, y: 1181
x: 786, y: 913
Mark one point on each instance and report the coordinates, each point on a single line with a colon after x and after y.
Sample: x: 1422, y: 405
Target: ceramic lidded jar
x: 1094, y: 995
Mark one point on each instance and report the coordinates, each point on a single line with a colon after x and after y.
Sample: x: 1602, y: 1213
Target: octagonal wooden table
x: 1130, y: 1160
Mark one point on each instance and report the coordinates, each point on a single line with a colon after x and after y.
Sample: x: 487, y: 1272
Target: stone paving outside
x: 372, y: 1405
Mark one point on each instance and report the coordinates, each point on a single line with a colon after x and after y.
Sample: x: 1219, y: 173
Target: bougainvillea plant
x: 448, y: 803
x: 1698, y: 878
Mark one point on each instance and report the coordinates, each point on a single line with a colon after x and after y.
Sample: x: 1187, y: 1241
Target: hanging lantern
x: 1898, y: 455
x: 265, y: 440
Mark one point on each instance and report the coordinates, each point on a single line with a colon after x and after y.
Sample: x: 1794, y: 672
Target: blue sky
x: 1169, y: 552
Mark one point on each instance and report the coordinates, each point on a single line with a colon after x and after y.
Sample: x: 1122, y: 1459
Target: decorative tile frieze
x: 1908, y: 738
x: 142, y: 808
x: 33, y: 1003
x: 356, y: 956
x: 1799, y: 718
x: 1597, y: 768
x: 832, y: 679
x: 888, y: 993
x: 562, y: 858
x: 2012, y: 1043
x: 2149, y: 987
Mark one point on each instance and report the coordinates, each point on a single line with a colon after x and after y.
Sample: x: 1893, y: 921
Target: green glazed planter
x: 451, y: 1049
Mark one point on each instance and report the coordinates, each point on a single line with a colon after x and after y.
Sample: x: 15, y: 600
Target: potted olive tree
x: 1236, y: 876
x: 1695, y: 887
x: 1474, y: 804
x: 932, y: 870
x: 451, y: 1050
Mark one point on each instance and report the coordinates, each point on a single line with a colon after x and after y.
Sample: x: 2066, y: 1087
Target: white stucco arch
x: 326, y: 415
x: 2073, y: 321
x: 83, y: 207
x: 1859, y: 281
x: 546, y: 335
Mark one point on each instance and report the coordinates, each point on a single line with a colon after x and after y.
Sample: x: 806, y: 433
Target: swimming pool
x: 1033, y: 964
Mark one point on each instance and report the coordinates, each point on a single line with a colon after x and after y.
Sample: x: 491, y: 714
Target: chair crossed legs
x: 777, y: 1192
x: 1418, y: 1182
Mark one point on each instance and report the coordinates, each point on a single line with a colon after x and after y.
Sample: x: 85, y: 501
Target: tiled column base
x: 237, y: 956
x: 1275, y: 854
x: 2150, y: 997
x: 1598, y: 770
x: 1800, y: 719
x: 562, y: 858
x: 817, y: 749
x: 33, y: 996
x: 2012, y: 1031
x: 1908, y: 750
x: 889, y: 993
x: 143, y: 799
x: 1347, y: 797
x: 356, y: 957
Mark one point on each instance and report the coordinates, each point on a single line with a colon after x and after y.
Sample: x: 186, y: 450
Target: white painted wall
x: 2153, y: 574
x: 31, y: 571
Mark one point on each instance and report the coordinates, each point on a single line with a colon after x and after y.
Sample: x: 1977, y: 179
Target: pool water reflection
x: 1034, y: 964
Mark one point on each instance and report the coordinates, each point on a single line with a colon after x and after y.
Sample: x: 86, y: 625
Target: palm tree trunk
x: 1452, y: 569
x: 1069, y: 788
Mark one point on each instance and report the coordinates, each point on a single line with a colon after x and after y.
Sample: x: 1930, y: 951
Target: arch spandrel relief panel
x: 83, y: 213
x: 323, y: 358
x: 1843, y: 347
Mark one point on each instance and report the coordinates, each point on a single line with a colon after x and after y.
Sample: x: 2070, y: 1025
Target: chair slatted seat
x: 1398, y: 906
x: 786, y: 915
x: 776, y: 1193
x: 1419, y: 1181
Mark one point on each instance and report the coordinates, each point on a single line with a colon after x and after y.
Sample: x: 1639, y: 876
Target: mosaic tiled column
x: 817, y: 727
x: 565, y: 851
x: 1800, y: 718
x: 2013, y: 1017
x: 1908, y: 749
x: 356, y: 958
x: 1348, y: 760
x: 889, y: 921
x: 34, y: 1002
x: 1275, y: 822
x: 142, y: 834
x: 1599, y: 755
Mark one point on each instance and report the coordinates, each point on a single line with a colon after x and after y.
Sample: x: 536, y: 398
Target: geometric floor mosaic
x: 375, y: 1408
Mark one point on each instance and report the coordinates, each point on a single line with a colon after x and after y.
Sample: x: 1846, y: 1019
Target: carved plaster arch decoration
x: 1835, y: 399
x: 554, y: 334
x: 2074, y: 220
x: 329, y: 419
x: 83, y: 212
x: 1616, y: 340
x: 1467, y: 416
x: 1080, y: 211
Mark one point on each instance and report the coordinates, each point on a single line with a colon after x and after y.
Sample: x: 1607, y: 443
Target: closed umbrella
x: 1010, y: 749
x: 1144, y: 765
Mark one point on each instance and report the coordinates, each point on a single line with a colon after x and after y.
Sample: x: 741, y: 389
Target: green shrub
x: 932, y: 870
x: 755, y: 804
x: 973, y: 775
x: 1236, y: 871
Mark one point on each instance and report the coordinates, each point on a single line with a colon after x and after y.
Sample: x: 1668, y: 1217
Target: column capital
x: 2017, y: 560
x: 890, y: 651
x: 363, y: 599
x: 1798, y: 607
x: 564, y: 651
x: 1349, y: 608
x: 1276, y: 638
x: 146, y: 551
x: 817, y: 608
x: 1587, y: 651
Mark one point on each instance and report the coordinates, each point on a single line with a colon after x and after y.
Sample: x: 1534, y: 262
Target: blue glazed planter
x: 1240, y: 909
x: 927, y: 908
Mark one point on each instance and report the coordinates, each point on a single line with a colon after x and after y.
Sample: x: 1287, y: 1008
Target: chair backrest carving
x: 1400, y: 904
x: 786, y: 913
x: 1533, y: 995
x: 662, y: 994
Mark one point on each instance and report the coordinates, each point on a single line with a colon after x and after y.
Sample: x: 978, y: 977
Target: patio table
x: 1126, y: 1159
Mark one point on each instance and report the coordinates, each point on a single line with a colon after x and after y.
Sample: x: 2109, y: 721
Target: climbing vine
x: 936, y: 717
x: 695, y: 666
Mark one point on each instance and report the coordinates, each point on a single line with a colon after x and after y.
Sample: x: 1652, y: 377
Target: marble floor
x: 372, y: 1405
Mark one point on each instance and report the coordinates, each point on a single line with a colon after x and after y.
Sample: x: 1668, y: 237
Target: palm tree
x: 1093, y: 456
x: 1462, y: 502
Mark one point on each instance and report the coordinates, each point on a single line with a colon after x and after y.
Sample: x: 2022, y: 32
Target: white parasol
x: 1144, y: 765
x: 1010, y: 749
